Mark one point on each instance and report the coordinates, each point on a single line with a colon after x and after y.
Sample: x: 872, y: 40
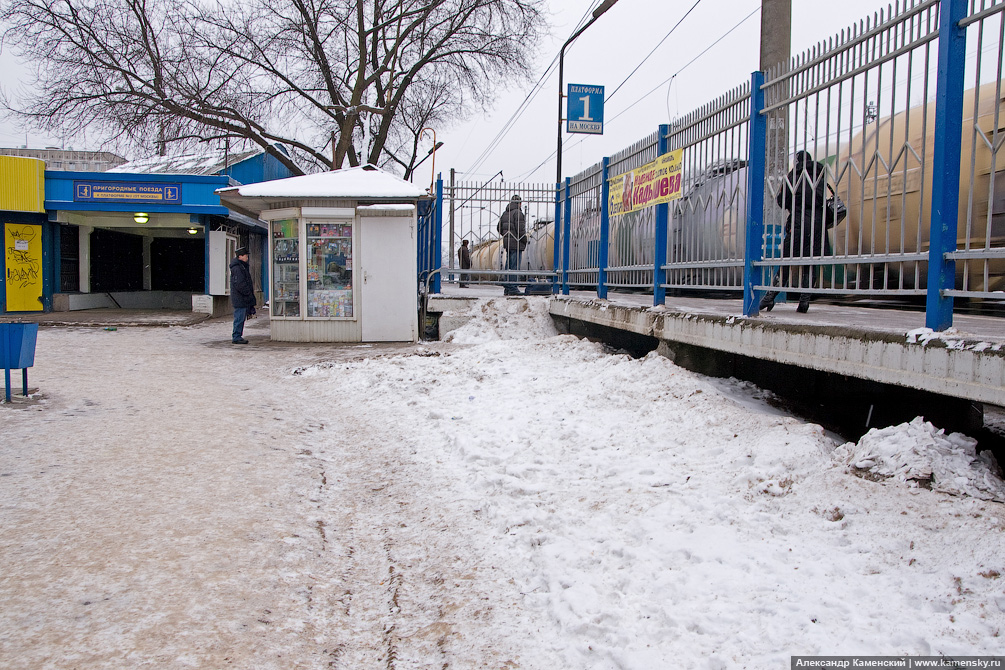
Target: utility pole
x: 776, y: 32
x: 776, y: 48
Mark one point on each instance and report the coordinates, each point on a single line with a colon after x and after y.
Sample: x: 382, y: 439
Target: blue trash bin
x: 17, y: 351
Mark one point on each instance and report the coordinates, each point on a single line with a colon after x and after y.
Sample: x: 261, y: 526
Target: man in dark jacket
x: 804, y: 196
x: 242, y: 293
x: 513, y: 231
x: 464, y: 256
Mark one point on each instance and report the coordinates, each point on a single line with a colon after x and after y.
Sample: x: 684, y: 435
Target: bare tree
x: 267, y: 71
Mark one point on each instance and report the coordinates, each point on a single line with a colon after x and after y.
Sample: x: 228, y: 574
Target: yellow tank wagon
x: 889, y: 195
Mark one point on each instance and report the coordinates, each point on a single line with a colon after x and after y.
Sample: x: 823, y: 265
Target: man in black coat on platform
x: 804, y: 196
x: 512, y: 229
x: 242, y: 293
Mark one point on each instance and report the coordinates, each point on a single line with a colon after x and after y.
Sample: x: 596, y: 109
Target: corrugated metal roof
x: 68, y: 159
x: 208, y: 163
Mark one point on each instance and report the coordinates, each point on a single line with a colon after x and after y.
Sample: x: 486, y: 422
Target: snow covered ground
x: 510, y: 498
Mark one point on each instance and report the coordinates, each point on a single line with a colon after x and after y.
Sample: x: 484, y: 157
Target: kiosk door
x: 387, y: 277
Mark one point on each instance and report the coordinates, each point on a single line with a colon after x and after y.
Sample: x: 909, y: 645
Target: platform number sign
x: 585, y: 109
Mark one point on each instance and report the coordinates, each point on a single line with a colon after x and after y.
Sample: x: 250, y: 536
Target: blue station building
x: 144, y: 235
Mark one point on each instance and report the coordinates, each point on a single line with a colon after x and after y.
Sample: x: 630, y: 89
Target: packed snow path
x: 510, y: 499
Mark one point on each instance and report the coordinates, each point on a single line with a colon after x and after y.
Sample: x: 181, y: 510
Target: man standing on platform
x: 242, y: 293
x: 513, y: 231
x: 464, y: 257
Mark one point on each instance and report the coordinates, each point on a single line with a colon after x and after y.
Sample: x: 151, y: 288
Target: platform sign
x: 585, y: 109
x: 119, y: 191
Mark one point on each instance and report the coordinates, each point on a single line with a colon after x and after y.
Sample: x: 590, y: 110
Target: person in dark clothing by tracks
x: 464, y: 257
x: 242, y: 293
x: 804, y: 196
x: 513, y: 231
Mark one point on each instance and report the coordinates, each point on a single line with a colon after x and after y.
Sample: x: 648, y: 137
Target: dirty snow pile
x: 918, y: 453
x: 650, y: 517
x: 492, y: 320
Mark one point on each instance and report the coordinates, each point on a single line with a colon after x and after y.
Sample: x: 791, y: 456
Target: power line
x: 523, y: 105
x: 630, y: 74
x: 685, y: 66
x: 665, y: 37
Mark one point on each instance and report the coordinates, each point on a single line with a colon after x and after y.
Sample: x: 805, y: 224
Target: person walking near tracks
x: 242, y: 293
x: 804, y: 196
x: 464, y: 258
x: 513, y: 231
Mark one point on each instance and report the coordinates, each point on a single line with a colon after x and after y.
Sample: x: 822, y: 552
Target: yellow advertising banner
x: 23, y: 264
x: 652, y: 184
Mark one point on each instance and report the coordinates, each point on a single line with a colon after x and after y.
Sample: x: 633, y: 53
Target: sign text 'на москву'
x: 585, y: 109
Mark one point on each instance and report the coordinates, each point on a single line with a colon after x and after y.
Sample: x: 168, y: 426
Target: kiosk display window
x: 329, y: 270
x: 285, y: 268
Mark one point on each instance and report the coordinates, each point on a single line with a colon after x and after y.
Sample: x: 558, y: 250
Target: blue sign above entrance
x: 126, y: 191
x: 585, y: 109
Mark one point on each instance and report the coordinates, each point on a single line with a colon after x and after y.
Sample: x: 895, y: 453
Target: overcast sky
x: 667, y: 85
x: 608, y: 52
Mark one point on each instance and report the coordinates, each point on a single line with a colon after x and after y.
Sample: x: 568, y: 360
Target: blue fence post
x: 605, y: 230
x: 662, y: 225
x: 566, y: 235
x: 437, y: 234
x: 425, y: 217
x: 556, y: 245
x: 756, y: 167
x: 946, y: 163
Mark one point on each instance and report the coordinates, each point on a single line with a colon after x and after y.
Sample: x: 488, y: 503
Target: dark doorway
x: 116, y: 261
x: 178, y: 264
x: 69, y: 259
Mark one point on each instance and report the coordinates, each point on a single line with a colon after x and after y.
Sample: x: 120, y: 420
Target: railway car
x: 889, y: 205
x: 880, y: 178
x: 538, y: 256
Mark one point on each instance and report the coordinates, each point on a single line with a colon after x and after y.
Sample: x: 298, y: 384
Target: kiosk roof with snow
x: 366, y: 183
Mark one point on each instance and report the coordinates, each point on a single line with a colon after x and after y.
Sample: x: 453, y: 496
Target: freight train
x: 880, y: 179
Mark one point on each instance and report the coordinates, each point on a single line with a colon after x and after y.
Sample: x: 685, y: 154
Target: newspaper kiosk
x: 342, y: 254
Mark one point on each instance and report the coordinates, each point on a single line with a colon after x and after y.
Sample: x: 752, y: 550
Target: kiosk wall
x: 343, y: 274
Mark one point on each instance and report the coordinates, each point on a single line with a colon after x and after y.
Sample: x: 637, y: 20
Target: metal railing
x: 472, y: 212
x: 881, y: 112
x: 980, y: 258
x: 859, y: 105
x: 707, y: 233
x: 631, y: 237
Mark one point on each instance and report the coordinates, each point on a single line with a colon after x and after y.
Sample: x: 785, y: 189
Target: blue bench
x: 17, y: 351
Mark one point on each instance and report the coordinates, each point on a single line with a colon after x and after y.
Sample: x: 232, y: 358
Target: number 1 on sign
x: 586, y: 109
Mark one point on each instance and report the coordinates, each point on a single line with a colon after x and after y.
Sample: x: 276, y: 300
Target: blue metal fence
x: 882, y: 108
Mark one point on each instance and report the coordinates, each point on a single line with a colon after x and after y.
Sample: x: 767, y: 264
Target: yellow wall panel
x: 22, y: 184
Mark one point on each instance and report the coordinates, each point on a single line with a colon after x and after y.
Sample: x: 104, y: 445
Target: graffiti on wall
x: 23, y: 264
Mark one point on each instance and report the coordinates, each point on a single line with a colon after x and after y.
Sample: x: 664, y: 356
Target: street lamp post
x: 597, y: 13
x: 436, y: 145
x: 429, y: 153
